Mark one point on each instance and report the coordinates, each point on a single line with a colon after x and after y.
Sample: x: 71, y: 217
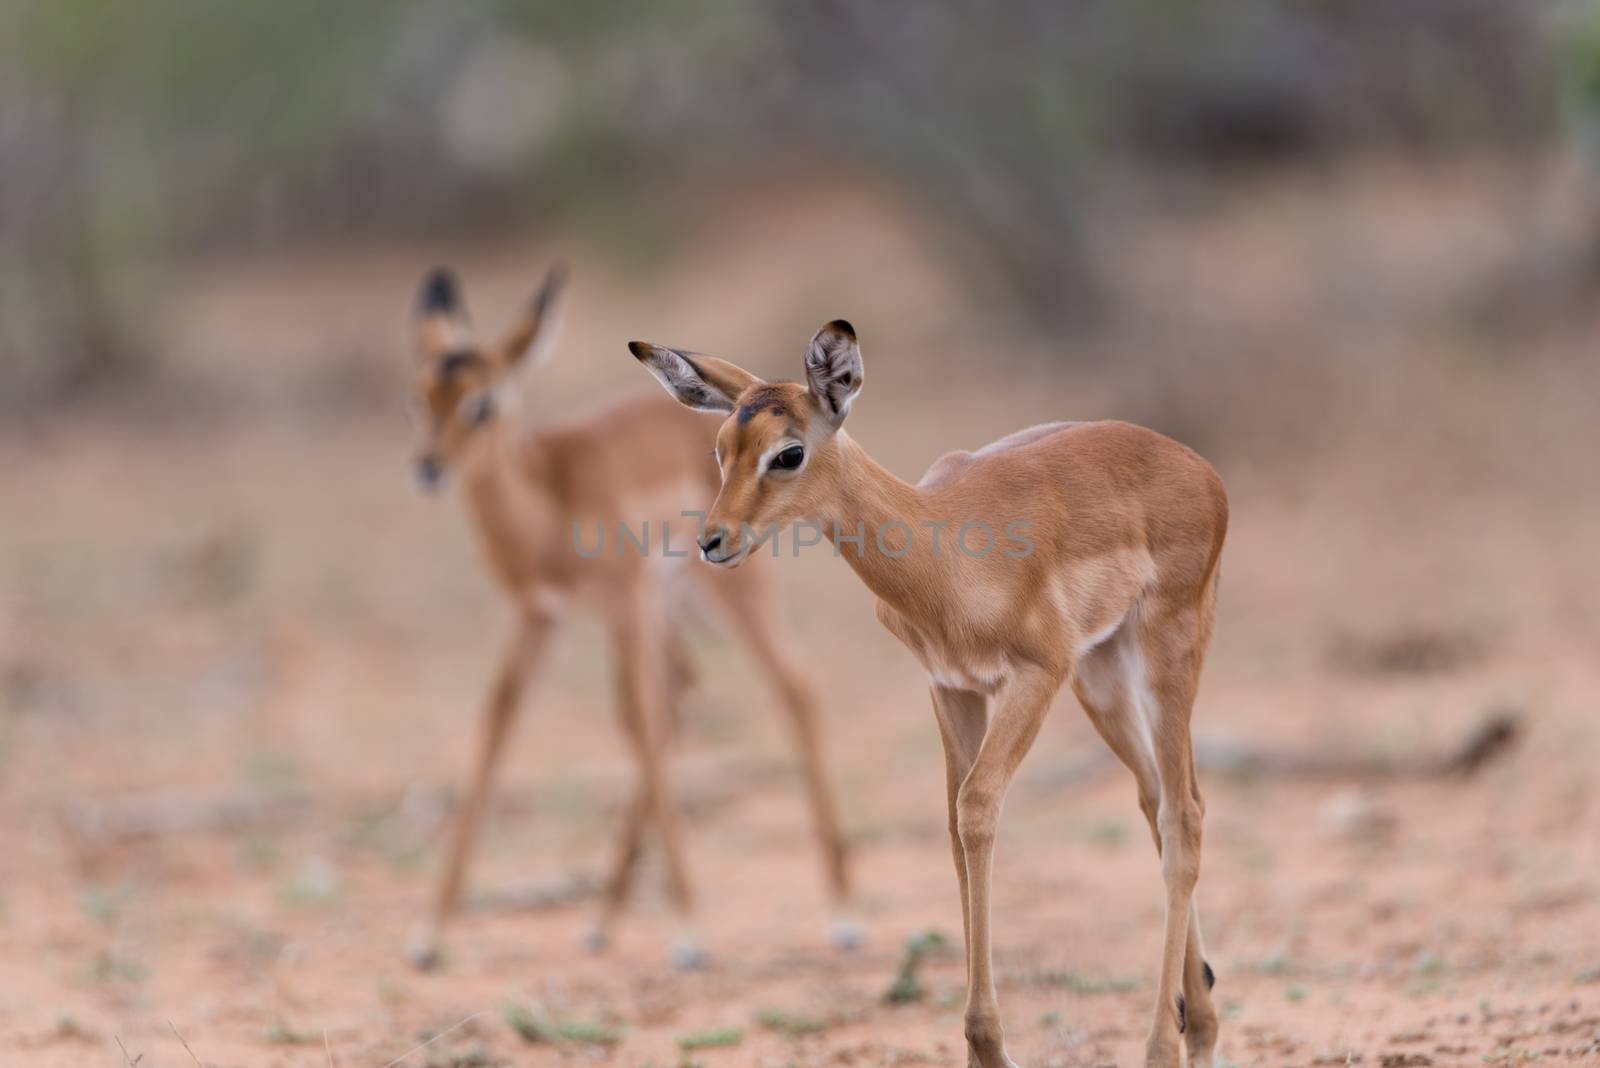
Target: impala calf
x: 1115, y: 595
x: 528, y: 492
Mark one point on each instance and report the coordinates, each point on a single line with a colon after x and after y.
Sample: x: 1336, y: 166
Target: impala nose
x: 711, y: 543
x: 430, y: 473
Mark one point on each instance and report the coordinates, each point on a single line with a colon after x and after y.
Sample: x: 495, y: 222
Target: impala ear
x: 532, y: 339
x: 702, y: 382
x: 441, y: 316
x: 833, y: 370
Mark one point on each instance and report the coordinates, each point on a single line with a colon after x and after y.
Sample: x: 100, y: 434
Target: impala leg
x: 642, y: 686
x: 682, y: 676
x: 1110, y: 684
x: 753, y: 617
x: 516, y: 665
x: 1198, y: 979
x: 1020, y: 708
x: 636, y: 813
x: 963, y: 717
x: 1171, y: 647
x: 624, y: 866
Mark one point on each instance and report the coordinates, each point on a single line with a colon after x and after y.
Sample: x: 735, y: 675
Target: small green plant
x: 109, y: 967
x: 1108, y: 834
x: 316, y: 884
x: 103, y: 904
x: 272, y: 772
x: 1588, y: 975
x: 720, y: 1038
x: 524, y: 1022
x: 1428, y: 963
x: 588, y: 1032
x: 792, y: 1025
x: 536, y: 1027
x: 1296, y: 992
x: 907, y: 986
x: 1087, y: 985
x: 259, y: 852
x: 471, y: 1057
x: 279, y: 1033
x: 1277, y: 962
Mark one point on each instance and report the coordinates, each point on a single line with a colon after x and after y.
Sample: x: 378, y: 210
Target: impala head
x: 778, y: 448
x: 456, y: 391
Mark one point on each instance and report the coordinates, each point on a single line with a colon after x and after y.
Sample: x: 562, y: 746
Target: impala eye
x: 788, y: 459
x: 476, y: 408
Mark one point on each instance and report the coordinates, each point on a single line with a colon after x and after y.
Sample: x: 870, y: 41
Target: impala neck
x: 871, y: 499
x: 502, y: 475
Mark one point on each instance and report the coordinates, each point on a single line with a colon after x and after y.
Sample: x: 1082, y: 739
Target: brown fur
x: 1116, y: 598
x: 641, y: 460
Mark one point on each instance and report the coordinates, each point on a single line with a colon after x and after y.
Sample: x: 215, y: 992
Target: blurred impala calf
x: 1114, y: 592
x: 527, y: 493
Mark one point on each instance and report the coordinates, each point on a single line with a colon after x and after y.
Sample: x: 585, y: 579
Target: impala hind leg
x: 681, y: 677
x: 1111, y: 685
x: 517, y: 663
x: 1138, y: 687
x: 642, y: 684
x: 1019, y: 710
x: 744, y: 595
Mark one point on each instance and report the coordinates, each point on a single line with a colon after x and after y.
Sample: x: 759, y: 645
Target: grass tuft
x: 790, y: 1024
x: 720, y: 1038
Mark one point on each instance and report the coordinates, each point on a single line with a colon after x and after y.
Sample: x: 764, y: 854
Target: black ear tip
x: 842, y: 326
x: 438, y: 290
x: 640, y: 349
x: 554, y: 280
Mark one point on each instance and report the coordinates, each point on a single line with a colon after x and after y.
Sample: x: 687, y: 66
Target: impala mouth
x: 733, y: 559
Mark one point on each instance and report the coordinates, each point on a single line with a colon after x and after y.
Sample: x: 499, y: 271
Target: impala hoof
x: 845, y: 933
x: 422, y: 950
x: 595, y: 940
x: 687, y: 956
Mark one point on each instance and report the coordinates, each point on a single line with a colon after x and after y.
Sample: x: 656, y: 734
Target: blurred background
x: 1347, y: 249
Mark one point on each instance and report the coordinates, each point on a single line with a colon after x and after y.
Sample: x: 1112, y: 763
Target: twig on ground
x: 185, y: 1045
x: 453, y: 1027
x: 133, y: 1062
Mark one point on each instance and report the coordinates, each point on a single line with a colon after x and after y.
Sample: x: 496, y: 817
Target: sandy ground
x: 240, y: 662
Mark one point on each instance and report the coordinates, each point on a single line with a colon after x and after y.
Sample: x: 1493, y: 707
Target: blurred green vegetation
x: 132, y: 133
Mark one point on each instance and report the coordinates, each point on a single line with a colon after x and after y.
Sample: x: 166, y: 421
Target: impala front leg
x: 516, y: 665
x: 1020, y: 708
x: 963, y: 716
